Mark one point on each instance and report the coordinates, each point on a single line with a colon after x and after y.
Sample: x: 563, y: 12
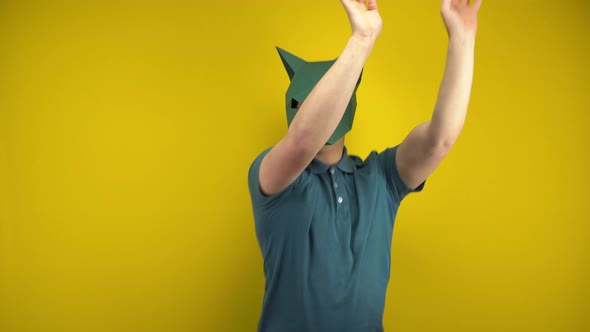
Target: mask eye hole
x: 294, y: 103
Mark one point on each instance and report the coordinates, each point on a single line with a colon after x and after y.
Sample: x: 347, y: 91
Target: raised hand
x: 364, y: 18
x: 460, y: 17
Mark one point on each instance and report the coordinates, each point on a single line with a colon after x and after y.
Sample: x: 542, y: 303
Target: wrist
x: 466, y: 42
x: 362, y: 43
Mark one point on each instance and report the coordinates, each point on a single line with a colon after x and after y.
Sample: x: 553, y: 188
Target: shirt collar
x: 346, y: 164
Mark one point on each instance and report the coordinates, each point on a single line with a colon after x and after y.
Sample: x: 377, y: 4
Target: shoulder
x: 257, y: 196
x: 253, y: 171
x: 375, y: 158
x: 382, y: 166
x: 258, y: 159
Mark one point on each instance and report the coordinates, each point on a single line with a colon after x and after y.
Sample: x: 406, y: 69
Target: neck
x: 331, y: 154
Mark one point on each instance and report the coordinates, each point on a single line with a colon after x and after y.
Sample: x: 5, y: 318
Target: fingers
x: 445, y: 7
x: 476, y: 4
x: 350, y: 4
x: 346, y: 4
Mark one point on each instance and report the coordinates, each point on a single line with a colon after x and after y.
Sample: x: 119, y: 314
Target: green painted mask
x: 304, y: 76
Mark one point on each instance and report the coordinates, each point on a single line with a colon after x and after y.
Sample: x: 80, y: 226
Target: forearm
x: 322, y: 110
x: 455, y: 90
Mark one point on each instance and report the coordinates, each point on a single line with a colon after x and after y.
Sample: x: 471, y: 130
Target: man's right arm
x: 322, y: 110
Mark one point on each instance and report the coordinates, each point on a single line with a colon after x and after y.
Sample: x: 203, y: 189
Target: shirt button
x: 340, y: 199
x: 332, y: 170
x: 335, y: 185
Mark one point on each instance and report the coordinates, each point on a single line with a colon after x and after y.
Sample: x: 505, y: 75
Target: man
x: 324, y: 219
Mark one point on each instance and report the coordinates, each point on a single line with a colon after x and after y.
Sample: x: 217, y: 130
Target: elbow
x: 300, y: 142
x: 442, y: 144
x: 446, y: 143
x: 443, y: 138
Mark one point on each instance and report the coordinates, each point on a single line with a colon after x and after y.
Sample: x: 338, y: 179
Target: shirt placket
x: 339, y: 192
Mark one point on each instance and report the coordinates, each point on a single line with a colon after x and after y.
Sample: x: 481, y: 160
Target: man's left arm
x: 425, y: 147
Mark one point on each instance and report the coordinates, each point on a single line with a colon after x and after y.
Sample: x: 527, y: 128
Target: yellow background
x: 126, y: 133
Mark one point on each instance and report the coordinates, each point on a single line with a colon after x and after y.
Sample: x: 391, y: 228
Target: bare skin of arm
x: 319, y: 115
x: 427, y: 144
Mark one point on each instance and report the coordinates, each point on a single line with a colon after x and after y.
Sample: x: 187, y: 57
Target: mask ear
x: 291, y: 62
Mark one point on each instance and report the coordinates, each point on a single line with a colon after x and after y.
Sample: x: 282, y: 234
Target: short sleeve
x: 259, y: 199
x: 395, y: 183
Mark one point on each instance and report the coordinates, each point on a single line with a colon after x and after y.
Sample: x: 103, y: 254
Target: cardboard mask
x: 304, y: 76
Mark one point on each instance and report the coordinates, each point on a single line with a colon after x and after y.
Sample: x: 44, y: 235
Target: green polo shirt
x: 326, y: 243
